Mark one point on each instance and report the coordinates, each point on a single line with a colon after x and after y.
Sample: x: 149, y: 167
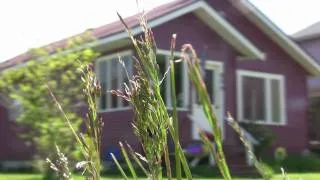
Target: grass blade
x: 128, y: 161
x: 190, y: 56
x: 236, y: 127
x: 119, y: 166
x: 167, y: 161
x: 133, y: 154
x: 181, y: 154
x: 174, y: 104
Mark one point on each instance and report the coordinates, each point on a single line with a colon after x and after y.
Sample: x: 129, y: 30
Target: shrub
x: 264, y: 135
x: 300, y: 163
x: 280, y: 154
x: 41, y: 121
x: 296, y: 163
x: 268, y: 171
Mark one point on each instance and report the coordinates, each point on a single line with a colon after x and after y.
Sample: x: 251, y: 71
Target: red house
x: 253, y: 70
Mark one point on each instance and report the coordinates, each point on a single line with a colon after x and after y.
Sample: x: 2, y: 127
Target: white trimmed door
x: 213, y: 80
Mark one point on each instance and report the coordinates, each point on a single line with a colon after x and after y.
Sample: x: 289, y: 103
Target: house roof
x: 309, y: 32
x: 161, y: 14
x: 279, y: 37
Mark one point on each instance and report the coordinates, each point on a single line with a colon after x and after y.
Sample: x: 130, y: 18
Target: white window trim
x: 267, y: 77
x: 185, y: 81
x: 167, y: 53
x: 108, y: 58
x: 219, y: 91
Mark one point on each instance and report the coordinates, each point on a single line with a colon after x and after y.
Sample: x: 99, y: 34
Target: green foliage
x: 296, y: 163
x: 27, y: 83
x: 268, y: 171
x: 194, y: 71
x: 280, y: 153
x: 89, y: 141
x: 151, y: 118
x: 264, y: 135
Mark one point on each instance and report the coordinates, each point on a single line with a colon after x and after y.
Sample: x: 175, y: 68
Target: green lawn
x: 16, y: 176
x: 301, y: 176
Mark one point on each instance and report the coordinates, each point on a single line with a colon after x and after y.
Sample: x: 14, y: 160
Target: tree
x: 27, y: 84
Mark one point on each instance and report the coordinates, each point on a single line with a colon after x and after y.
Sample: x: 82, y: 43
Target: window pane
x: 275, y: 100
x: 178, y: 72
x: 128, y: 65
x: 209, y: 81
x: 103, y: 80
x: 114, y: 81
x: 253, y: 99
x: 161, y: 60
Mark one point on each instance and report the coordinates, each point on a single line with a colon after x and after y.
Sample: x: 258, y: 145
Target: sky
x: 32, y: 23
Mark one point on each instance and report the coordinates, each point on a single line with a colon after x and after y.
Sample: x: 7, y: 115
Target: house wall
x: 279, y: 62
x: 11, y: 147
x: 192, y: 30
x: 312, y: 46
x: 118, y: 127
x: 113, y: 131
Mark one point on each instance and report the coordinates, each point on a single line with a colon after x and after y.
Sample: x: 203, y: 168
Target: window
x: 181, y: 81
x: 112, y: 76
x: 261, y: 97
x: 15, y: 110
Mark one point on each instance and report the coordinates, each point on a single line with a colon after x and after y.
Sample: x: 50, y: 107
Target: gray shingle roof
x: 309, y: 32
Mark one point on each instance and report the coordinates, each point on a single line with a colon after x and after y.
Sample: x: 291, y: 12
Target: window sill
x: 114, y: 109
x: 178, y: 109
x: 130, y: 108
x: 262, y: 123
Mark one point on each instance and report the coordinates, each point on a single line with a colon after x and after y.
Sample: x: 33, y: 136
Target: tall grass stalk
x: 119, y: 166
x: 236, y: 127
x: 90, y: 141
x: 126, y: 157
x: 60, y: 165
x: 135, y: 155
x: 174, y: 104
x: 190, y: 56
x: 152, y: 121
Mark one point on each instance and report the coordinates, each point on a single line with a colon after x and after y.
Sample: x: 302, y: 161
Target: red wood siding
x: 293, y: 136
x: 118, y: 127
x: 11, y: 147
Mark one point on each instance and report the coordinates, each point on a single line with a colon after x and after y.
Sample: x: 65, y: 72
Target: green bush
x: 301, y: 163
x: 296, y: 163
x: 280, y: 153
x: 264, y: 136
x: 268, y: 171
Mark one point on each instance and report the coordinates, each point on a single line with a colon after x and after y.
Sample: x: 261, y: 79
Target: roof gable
x: 204, y: 12
x: 274, y: 33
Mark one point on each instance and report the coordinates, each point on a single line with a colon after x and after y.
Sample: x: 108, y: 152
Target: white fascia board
x: 210, y: 17
x: 297, y: 53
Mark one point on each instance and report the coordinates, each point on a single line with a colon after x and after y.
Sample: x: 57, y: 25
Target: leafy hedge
x: 296, y: 163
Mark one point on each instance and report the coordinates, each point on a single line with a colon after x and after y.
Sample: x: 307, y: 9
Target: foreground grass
x: 17, y: 176
x: 301, y: 176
